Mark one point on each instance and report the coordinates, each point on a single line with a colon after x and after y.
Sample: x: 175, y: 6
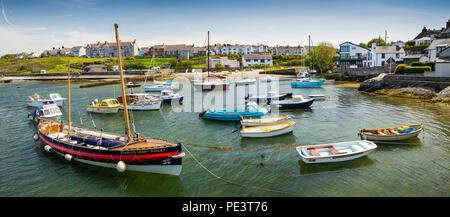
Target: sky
x: 34, y: 26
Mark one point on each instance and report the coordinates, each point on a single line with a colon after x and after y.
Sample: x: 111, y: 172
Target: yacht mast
x: 68, y: 92
x: 207, y: 59
x: 125, y: 109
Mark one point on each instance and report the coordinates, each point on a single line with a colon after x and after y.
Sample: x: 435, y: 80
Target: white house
x: 233, y: 49
x: 33, y: 55
x: 379, y: 55
x: 443, y: 64
x: 78, y: 51
x: 353, y: 55
x: 256, y: 59
x: 436, y: 47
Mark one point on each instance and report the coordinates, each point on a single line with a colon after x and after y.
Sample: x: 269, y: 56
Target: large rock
x: 372, y: 84
x: 444, y: 94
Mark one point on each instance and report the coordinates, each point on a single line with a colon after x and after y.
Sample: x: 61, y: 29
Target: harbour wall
x: 359, y: 74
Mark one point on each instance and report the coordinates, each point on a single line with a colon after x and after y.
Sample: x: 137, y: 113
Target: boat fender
x: 68, y: 157
x: 121, y: 166
x: 47, y: 148
x: 181, y: 155
x: 36, y: 137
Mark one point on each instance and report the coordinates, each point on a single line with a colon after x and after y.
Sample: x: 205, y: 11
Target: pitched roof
x: 257, y: 56
x: 428, y: 32
x: 354, y: 44
x: 389, y: 49
x: 439, y: 42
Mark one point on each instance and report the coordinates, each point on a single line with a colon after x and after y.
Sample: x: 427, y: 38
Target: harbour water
x: 416, y: 167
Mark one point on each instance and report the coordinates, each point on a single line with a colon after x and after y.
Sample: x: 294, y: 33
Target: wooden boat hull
x: 252, y: 123
x: 348, y: 151
x: 307, y: 84
x: 365, y: 134
x: 162, y: 161
x: 102, y: 110
x: 269, y: 134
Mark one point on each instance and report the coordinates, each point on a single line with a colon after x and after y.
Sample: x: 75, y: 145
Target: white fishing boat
x: 132, y: 84
x: 336, y: 152
x: 50, y: 111
x: 391, y: 134
x: 268, y: 130
x: 141, y: 102
x: 168, y: 96
x: 264, y: 121
x: 36, y: 100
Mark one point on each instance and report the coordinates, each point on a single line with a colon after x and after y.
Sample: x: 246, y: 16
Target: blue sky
x: 32, y: 25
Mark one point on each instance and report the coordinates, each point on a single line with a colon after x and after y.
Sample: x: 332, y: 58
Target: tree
x: 378, y: 41
x: 363, y: 45
x: 322, y: 56
x: 218, y: 66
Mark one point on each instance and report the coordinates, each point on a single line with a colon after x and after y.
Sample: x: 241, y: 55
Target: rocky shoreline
x: 427, y: 89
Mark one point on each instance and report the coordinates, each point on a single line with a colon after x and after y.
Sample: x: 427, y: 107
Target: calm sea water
x: 417, y: 167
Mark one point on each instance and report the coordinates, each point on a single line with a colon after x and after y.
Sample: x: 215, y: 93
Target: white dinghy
x: 336, y: 152
x: 268, y: 130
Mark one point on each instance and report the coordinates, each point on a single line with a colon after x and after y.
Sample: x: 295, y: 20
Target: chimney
x: 374, y: 45
x: 448, y: 23
x: 106, y: 42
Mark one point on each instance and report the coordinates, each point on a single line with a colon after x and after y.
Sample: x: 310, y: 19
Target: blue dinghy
x: 251, y: 110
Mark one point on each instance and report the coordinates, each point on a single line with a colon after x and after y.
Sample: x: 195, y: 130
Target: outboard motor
x: 201, y: 114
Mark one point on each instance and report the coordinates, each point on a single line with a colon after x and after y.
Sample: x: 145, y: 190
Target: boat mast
x: 207, y: 59
x: 125, y: 109
x: 68, y: 92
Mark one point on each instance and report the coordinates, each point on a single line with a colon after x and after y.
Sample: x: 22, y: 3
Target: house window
x: 383, y: 56
x: 382, y: 63
x: 397, y: 56
x: 345, y: 49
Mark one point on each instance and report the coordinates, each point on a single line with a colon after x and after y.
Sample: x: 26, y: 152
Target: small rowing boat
x: 307, y: 82
x: 141, y: 102
x: 336, y: 152
x: 245, y: 81
x: 251, y: 110
x: 391, y: 134
x: 268, y: 130
x: 132, y: 84
x: 264, y: 121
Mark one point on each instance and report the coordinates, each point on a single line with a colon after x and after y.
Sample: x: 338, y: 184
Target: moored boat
x: 169, y: 96
x: 50, y: 111
x: 158, y: 87
x: 133, y: 84
x: 307, y: 82
x: 251, y: 110
x: 335, y: 152
x: 36, y: 100
x: 271, y: 95
x: 391, y: 134
x: 140, y: 102
x: 296, y: 102
x: 107, y: 106
x: 252, y: 122
x: 268, y: 130
x: 245, y: 81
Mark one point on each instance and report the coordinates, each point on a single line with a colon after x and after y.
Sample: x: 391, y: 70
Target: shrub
x: 430, y: 64
x: 403, y: 69
x: 417, y: 69
x: 400, y: 69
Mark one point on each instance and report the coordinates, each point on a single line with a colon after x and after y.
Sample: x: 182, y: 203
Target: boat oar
x: 234, y: 131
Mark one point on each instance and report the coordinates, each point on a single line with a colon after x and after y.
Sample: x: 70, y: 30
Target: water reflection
x: 312, y: 169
